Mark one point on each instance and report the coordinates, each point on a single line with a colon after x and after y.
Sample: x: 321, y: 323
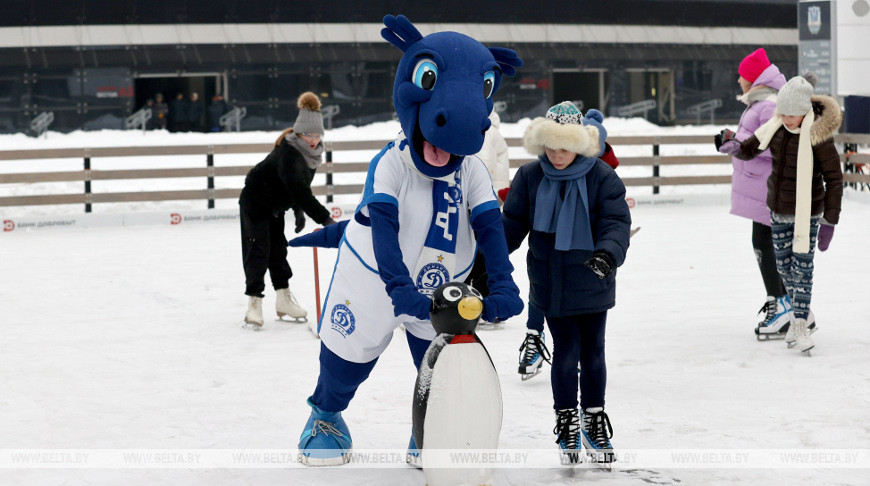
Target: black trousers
x: 264, y: 246
x: 580, y: 339
x: 762, y: 242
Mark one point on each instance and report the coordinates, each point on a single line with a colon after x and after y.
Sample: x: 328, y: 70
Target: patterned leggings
x: 796, y: 269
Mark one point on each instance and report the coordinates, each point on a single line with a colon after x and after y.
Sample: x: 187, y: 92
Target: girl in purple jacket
x: 760, y: 82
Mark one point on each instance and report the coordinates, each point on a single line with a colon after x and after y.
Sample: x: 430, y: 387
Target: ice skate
x: 254, y: 316
x: 412, y: 457
x: 596, y: 436
x: 802, y: 337
x: 326, y: 440
x: 286, y: 305
x: 790, y: 339
x: 777, y: 317
x: 567, y: 432
x: 533, y: 353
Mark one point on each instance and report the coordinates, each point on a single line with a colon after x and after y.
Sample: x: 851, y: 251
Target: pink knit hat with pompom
x: 753, y: 65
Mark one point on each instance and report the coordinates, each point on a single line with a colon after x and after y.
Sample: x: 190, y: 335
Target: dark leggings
x: 578, y: 338
x: 264, y: 247
x: 762, y: 242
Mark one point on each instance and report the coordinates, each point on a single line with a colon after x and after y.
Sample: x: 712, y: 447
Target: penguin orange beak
x: 470, y: 308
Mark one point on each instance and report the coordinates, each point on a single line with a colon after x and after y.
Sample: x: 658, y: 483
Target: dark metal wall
x: 359, y: 78
x: 96, y: 87
x: 746, y: 13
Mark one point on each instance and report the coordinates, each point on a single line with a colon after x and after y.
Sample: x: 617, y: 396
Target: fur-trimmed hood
x: 829, y: 117
x: 580, y: 139
x: 759, y: 93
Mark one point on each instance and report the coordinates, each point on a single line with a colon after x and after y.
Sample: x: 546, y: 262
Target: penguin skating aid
x: 457, y: 396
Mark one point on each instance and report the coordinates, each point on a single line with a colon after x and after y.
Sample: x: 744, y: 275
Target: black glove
x: 722, y: 137
x: 328, y: 221
x: 300, y: 219
x: 600, y: 263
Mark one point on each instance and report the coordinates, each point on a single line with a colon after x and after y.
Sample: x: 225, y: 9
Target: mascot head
x: 443, y: 92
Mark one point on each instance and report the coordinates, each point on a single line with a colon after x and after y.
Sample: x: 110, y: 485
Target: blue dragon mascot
x: 424, y: 199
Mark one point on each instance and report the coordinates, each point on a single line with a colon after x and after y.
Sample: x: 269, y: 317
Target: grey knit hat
x: 794, y: 98
x: 310, y: 119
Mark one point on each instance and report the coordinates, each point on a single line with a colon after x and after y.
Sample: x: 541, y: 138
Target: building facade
x: 94, y: 62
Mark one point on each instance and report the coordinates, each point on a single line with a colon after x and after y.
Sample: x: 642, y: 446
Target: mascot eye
x: 425, y: 74
x: 488, y: 84
x: 452, y: 293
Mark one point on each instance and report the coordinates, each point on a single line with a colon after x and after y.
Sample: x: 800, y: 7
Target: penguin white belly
x: 463, y: 411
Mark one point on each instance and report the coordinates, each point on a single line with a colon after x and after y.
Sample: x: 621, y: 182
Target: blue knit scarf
x: 562, y: 211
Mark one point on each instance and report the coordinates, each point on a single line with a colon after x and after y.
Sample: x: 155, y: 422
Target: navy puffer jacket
x: 560, y: 283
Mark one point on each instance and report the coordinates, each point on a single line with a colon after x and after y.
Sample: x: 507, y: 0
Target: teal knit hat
x: 565, y: 113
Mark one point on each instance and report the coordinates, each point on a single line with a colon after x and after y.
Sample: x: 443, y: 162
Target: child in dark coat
x: 533, y: 350
x: 280, y: 182
x: 572, y: 206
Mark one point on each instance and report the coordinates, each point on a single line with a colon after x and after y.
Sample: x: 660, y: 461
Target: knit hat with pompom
x: 310, y: 119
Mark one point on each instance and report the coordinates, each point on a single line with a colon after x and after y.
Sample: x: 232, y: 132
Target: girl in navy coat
x: 572, y: 206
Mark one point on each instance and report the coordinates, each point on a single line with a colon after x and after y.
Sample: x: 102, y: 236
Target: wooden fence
x: 856, y: 168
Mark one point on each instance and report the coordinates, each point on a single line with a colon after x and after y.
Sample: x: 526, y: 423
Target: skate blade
x: 769, y: 336
x: 601, y: 458
x: 326, y: 461
x: 529, y: 376
x: 291, y: 319
x: 414, y: 460
x: 808, y: 351
x: 252, y: 325
x: 570, y: 458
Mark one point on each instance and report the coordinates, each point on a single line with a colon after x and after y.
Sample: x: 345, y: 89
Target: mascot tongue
x: 435, y: 156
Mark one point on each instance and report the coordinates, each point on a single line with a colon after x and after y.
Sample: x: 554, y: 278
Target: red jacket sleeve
x: 609, y: 156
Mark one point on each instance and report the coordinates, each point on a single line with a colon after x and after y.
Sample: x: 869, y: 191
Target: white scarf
x: 804, y: 184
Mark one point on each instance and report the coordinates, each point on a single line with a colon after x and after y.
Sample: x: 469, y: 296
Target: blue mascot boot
x: 413, y: 455
x: 326, y: 439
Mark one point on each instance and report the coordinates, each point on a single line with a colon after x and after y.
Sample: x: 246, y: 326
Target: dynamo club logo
x: 432, y: 276
x: 814, y: 19
x: 343, y: 320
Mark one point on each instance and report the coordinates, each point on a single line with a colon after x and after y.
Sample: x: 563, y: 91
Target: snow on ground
x: 131, y: 338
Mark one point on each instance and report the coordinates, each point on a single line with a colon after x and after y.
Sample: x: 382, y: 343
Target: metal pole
x: 656, y: 168
x: 209, y: 162
x: 330, y: 189
x: 87, y: 182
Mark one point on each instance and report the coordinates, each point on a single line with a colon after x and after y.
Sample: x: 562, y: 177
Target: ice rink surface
x: 130, y: 338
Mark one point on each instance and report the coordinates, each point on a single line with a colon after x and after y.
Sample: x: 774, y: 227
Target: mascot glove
x: 826, y: 233
x: 407, y: 300
x: 503, y: 302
